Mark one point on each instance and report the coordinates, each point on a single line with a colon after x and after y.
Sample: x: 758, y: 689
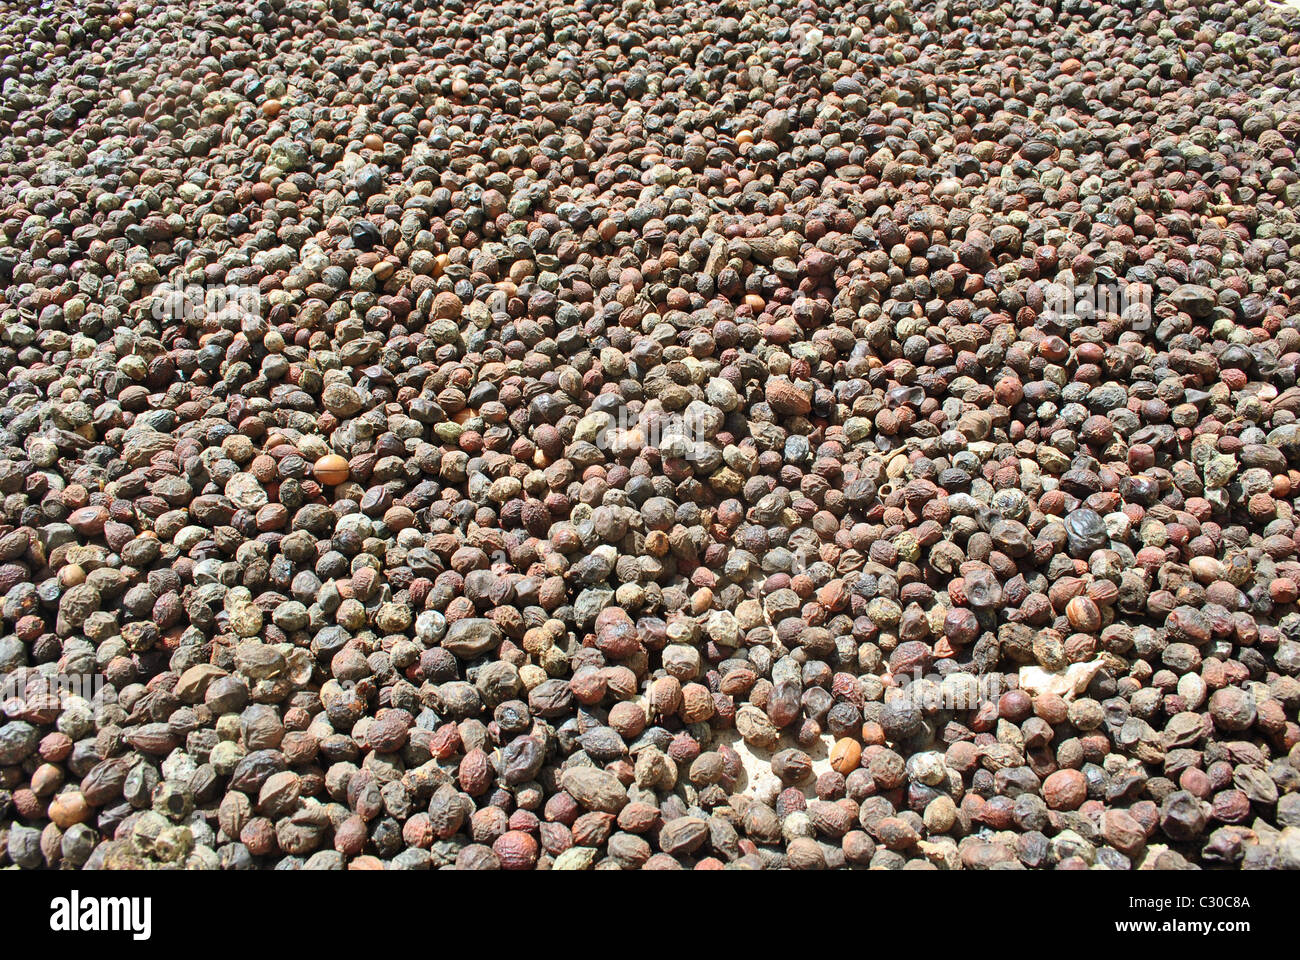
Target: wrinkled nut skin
x: 516, y: 850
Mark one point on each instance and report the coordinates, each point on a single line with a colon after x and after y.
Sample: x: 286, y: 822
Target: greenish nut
x: 575, y: 858
x: 908, y: 547
x: 173, y: 844
x: 448, y: 431
x: 1219, y: 471
x: 225, y: 756
x: 1049, y: 651
x: 884, y: 612
x: 1153, y: 534
x: 910, y: 327
x: 1239, y: 571
x: 935, y: 617
x: 1204, y: 449
x: 857, y: 429
x: 172, y: 801
x: 443, y: 331
x: 1223, y: 329
x: 1052, y: 460
x: 147, y: 830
